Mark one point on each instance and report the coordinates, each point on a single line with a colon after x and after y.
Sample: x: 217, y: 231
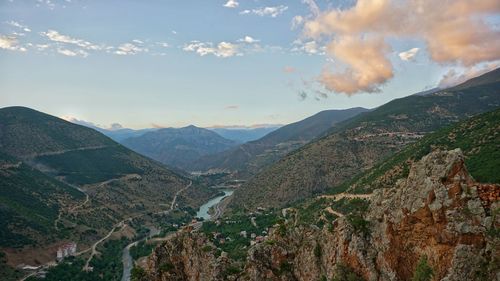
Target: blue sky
x: 207, y: 62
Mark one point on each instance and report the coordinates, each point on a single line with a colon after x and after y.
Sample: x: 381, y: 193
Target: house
x: 66, y: 250
x: 243, y: 233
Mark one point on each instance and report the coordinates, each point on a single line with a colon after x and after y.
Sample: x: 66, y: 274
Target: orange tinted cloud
x: 367, y: 62
x: 454, y: 31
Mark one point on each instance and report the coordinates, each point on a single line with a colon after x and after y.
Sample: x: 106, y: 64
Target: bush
x: 137, y: 273
x: 423, y: 272
x: 359, y: 224
x: 206, y: 248
x: 317, y: 251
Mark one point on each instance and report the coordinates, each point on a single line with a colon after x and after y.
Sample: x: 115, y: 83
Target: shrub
x: 317, y: 251
x: 137, y: 273
x: 423, y: 272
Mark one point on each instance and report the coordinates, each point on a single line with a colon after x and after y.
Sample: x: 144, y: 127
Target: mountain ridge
x: 360, y: 142
x: 249, y: 158
x: 179, y: 146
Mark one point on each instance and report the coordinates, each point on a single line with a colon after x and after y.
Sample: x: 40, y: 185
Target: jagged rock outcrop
x: 186, y: 256
x: 438, y: 211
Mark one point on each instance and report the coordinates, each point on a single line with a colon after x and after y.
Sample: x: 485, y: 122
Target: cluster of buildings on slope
x: 66, y: 250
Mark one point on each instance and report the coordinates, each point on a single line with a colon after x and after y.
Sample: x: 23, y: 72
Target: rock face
x: 187, y: 256
x: 438, y: 211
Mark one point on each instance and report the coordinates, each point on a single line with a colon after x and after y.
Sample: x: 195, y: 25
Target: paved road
x: 33, y: 155
x: 94, y: 246
x: 127, y: 261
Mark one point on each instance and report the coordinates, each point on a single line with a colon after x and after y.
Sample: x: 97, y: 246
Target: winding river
x: 203, y: 211
x: 128, y: 263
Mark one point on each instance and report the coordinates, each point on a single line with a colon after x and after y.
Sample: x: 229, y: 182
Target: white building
x: 66, y: 250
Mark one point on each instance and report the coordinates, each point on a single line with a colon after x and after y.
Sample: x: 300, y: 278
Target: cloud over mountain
x: 454, y: 32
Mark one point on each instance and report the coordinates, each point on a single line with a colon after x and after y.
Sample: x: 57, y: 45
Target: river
x: 128, y: 263
x: 203, y: 211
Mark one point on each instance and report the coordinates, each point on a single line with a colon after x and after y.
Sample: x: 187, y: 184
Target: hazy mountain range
x: 178, y: 147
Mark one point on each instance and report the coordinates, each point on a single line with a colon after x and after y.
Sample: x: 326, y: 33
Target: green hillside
x: 25, y: 132
x: 478, y: 138
x: 93, y: 165
x: 40, y: 201
x: 359, y: 143
x: 29, y: 203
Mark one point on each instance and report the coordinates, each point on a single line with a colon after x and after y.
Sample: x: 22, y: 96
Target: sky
x: 153, y: 63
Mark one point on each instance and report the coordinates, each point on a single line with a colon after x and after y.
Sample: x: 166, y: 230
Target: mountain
x: 437, y: 222
x: 359, y: 143
x: 61, y: 181
x: 251, y: 157
x: 122, y: 134
x: 245, y: 134
x: 178, y: 147
x: 429, y: 210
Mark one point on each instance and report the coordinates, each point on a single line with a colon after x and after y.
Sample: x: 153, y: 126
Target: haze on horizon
x: 224, y: 63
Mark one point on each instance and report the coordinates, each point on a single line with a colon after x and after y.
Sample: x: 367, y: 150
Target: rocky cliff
x: 438, y: 212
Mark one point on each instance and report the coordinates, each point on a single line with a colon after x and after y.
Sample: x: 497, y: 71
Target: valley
x: 230, y: 140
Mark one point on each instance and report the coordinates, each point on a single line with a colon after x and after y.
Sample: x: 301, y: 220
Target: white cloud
x: 266, y: 11
x: 231, y: 4
x: 223, y: 49
x: 163, y: 44
x: 20, y: 26
x: 310, y: 47
x: 248, y: 39
x: 456, y: 76
x: 42, y: 47
x: 138, y: 41
x: 55, y: 36
x: 297, y: 21
x: 409, y: 55
x: 10, y: 43
x: 130, y: 49
x: 72, y: 53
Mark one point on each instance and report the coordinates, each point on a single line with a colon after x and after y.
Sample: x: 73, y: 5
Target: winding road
x: 122, y: 225
x: 127, y: 261
x: 343, y: 195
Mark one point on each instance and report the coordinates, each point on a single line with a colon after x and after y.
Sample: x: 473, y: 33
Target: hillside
x: 477, y: 137
x: 178, y: 147
x: 245, y: 134
x: 359, y: 143
x: 58, y: 161
x: 121, y: 134
x: 251, y: 157
x: 437, y: 223
x: 30, y: 203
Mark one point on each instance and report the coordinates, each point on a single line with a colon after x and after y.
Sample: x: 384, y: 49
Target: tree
x: 423, y: 272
